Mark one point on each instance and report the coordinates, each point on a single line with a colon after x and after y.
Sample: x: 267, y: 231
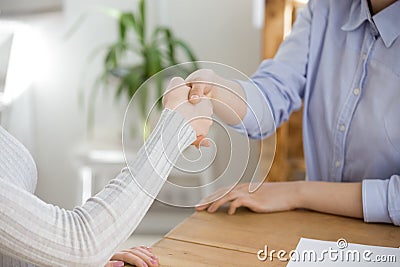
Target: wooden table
x: 222, y: 240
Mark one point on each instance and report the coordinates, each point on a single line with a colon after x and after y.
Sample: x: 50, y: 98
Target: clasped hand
x: 198, y: 115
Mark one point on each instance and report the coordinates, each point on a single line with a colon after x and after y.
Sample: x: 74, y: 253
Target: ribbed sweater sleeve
x: 47, y: 235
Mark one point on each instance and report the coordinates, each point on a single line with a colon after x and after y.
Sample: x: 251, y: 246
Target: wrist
x: 300, y: 194
x: 214, y: 92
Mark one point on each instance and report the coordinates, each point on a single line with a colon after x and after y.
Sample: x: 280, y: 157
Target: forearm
x: 244, y: 106
x: 335, y: 198
x: 229, y: 101
x: 46, y: 235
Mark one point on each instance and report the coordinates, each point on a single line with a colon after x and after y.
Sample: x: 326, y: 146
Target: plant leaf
x: 153, y: 61
x: 186, y: 49
x: 131, y: 22
x: 143, y: 102
x: 135, y: 79
x: 168, y: 39
x: 122, y: 28
x: 142, y: 12
x: 75, y: 26
x: 111, y: 60
x: 112, y: 12
x: 120, y: 89
x: 157, y: 54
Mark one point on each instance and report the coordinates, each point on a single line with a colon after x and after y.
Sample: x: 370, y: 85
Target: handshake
x: 182, y: 97
x: 202, y: 93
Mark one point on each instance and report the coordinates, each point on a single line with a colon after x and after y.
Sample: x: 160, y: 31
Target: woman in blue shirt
x: 342, y: 60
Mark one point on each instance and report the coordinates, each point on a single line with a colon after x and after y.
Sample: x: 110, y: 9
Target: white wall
x: 219, y: 31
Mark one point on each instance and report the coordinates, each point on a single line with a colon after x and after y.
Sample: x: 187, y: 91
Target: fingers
x: 196, y: 92
x: 201, y: 141
x: 198, y: 115
x: 204, y: 142
x: 145, y: 250
x: 176, y: 93
x: 198, y: 141
x: 175, y: 82
x: 216, y: 200
x: 234, y: 205
x: 148, y: 249
x: 238, y: 197
x: 138, y: 256
x: 202, y: 207
x: 115, y: 264
x: 131, y: 259
x: 201, y: 83
x: 207, y: 201
x: 222, y: 201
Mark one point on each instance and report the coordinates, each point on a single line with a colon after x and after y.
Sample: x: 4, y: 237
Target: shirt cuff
x: 258, y: 122
x: 394, y: 199
x: 375, y: 201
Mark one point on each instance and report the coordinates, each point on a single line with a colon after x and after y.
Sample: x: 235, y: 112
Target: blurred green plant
x: 156, y: 51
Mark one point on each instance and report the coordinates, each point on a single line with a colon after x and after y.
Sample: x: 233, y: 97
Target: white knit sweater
x: 46, y: 235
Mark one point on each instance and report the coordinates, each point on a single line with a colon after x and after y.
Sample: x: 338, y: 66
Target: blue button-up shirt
x: 345, y: 65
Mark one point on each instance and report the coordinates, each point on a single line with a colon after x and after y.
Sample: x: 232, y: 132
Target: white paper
x: 311, y: 252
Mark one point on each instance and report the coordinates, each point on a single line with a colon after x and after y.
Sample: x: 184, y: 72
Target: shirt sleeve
x: 258, y: 121
x: 46, y: 235
x: 381, y: 201
x: 280, y: 80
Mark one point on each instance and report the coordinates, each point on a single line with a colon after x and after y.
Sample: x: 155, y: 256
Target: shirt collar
x: 359, y: 12
x: 386, y: 21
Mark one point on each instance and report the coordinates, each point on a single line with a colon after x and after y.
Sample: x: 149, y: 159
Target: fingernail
x: 194, y: 97
x: 154, y: 257
x: 118, y: 264
x: 153, y: 261
x: 205, y: 143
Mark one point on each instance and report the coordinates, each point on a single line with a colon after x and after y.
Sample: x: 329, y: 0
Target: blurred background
x: 52, y: 52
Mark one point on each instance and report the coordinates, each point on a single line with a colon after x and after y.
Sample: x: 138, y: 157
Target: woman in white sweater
x: 33, y: 232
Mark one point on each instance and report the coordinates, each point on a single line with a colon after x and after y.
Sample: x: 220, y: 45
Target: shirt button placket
x: 342, y: 129
x: 344, y: 121
x: 347, y: 112
x: 364, y: 56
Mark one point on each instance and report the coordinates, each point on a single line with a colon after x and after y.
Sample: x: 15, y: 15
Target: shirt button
x: 364, y: 56
x: 356, y: 91
x: 342, y: 128
x: 337, y: 163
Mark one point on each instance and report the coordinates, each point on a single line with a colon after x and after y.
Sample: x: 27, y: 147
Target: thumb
x: 196, y: 92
